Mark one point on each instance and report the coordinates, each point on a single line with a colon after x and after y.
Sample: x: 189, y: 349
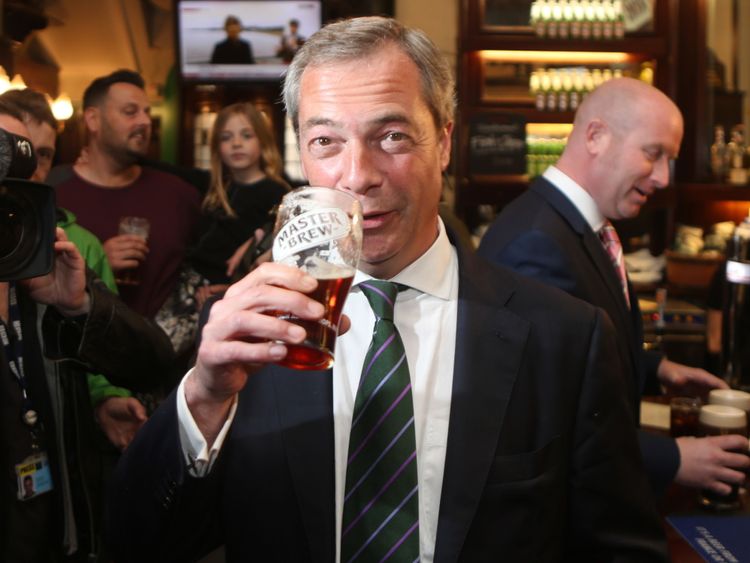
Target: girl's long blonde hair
x: 270, y: 159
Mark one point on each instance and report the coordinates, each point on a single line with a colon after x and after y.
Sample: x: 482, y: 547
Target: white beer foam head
x: 722, y: 416
x: 730, y: 398
x: 322, y: 270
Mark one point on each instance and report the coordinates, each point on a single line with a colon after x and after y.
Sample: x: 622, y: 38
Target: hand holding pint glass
x: 138, y: 227
x: 319, y: 230
x: 719, y: 420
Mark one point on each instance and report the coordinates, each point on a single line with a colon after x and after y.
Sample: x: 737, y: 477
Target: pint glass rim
x: 335, y: 192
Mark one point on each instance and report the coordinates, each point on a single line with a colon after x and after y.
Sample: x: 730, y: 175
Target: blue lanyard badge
x: 11, y: 336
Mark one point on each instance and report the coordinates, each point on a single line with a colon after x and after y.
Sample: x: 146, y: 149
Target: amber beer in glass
x: 140, y: 227
x: 718, y: 420
x: 319, y: 230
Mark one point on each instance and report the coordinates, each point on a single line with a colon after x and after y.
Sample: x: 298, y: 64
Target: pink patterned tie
x: 611, y: 242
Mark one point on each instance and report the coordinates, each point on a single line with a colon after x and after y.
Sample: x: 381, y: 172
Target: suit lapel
x: 592, y: 245
x: 626, y: 320
x: 305, y: 406
x: 489, y: 345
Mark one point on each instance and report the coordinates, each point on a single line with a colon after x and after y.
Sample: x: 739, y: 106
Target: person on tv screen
x: 233, y: 50
x: 291, y: 41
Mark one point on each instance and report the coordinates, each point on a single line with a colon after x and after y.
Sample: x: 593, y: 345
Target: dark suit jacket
x: 233, y: 52
x: 542, y: 461
x: 541, y: 234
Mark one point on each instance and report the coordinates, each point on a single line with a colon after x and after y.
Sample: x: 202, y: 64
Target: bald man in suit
x: 624, y: 136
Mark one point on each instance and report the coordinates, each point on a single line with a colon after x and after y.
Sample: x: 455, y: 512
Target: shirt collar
x: 579, y: 197
x: 430, y: 273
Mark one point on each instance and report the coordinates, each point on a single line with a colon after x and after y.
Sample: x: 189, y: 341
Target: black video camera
x: 27, y: 213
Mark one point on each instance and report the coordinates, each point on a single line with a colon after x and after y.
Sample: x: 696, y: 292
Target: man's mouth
x: 374, y: 220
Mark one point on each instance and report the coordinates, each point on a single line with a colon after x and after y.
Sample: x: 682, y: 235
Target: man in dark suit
x: 617, y: 155
x: 233, y: 50
x: 520, y: 442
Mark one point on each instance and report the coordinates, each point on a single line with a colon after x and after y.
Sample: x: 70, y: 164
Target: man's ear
x: 91, y: 118
x: 598, y: 136
x: 444, y: 142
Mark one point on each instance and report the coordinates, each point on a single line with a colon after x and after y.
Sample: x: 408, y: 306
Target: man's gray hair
x: 351, y: 39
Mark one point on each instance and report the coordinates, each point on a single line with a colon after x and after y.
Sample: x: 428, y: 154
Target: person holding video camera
x: 62, y: 312
x: 118, y: 413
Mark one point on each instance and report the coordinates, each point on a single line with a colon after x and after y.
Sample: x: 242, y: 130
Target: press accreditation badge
x: 34, y: 476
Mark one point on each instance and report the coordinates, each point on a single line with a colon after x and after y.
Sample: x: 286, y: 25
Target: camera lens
x: 19, y: 228
x: 11, y: 227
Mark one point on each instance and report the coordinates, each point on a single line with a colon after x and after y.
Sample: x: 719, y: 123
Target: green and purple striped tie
x: 381, y: 506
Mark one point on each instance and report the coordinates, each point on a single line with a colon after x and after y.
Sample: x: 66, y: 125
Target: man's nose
x: 661, y: 173
x: 144, y: 118
x: 361, y: 170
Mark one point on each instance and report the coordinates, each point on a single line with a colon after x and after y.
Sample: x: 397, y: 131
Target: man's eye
x: 321, y: 141
x: 395, y: 141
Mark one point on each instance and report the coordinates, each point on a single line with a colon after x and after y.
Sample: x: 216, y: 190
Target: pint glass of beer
x: 717, y: 420
x: 319, y: 230
x: 731, y: 398
x: 140, y: 227
x: 684, y: 413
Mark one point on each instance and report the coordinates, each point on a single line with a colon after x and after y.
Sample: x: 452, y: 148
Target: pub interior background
x: 691, y: 49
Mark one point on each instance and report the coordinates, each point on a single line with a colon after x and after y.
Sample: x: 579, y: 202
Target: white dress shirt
x: 577, y: 195
x: 426, y: 317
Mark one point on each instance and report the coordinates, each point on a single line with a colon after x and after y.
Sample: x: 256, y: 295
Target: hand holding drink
x: 126, y: 252
x: 319, y: 230
x: 721, y: 420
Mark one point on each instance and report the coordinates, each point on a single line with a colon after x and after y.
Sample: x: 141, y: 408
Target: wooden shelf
x: 696, y: 193
x: 531, y: 114
x: 488, y: 41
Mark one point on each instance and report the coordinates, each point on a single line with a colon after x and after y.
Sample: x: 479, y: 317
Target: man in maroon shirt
x: 107, y: 184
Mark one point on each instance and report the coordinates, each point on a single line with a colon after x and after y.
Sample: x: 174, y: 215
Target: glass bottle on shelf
x: 587, y: 18
x: 647, y: 73
x: 576, y: 91
x: 608, y: 22
x: 545, y: 14
x: 736, y: 150
x: 564, y: 100
x: 535, y: 88
x: 619, y: 20
x: 597, y: 77
x: 597, y: 20
x: 561, y: 98
x: 567, y: 19
x: 546, y: 91
x: 576, y: 18
x: 607, y: 74
x: 535, y: 18
x: 553, y: 26
x: 588, y: 84
x: 554, y: 86
x: 719, y: 155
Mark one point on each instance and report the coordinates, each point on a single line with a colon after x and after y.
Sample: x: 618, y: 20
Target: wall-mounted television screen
x: 242, y: 39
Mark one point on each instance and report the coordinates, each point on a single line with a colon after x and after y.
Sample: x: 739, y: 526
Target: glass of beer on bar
x: 717, y: 420
x: 319, y: 230
x: 731, y: 398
